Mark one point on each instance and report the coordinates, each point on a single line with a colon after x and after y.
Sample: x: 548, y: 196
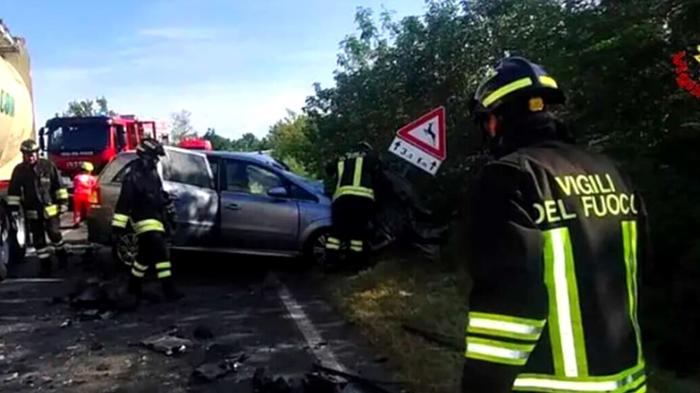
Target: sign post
x: 423, y: 142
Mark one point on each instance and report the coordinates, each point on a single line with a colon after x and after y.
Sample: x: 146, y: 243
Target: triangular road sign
x: 427, y: 133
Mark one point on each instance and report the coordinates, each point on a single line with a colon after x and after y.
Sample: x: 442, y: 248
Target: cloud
x: 178, y: 33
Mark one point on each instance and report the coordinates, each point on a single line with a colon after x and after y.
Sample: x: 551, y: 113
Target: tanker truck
x: 16, y: 125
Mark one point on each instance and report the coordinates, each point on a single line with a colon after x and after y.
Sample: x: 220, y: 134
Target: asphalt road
x: 261, y: 308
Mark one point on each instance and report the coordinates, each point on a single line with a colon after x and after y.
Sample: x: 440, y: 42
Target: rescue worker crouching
x: 356, y: 174
x: 557, y: 234
x: 36, y: 187
x: 144, y: 204
x: 84, y: 188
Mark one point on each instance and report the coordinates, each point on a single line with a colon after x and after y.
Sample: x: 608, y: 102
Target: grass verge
x: 380, y: 301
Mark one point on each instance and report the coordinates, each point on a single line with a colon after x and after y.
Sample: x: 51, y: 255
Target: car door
x: 188, y: 179
x: 250, y: 218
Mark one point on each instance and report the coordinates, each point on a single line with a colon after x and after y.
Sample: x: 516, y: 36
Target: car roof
x: 255, y: 157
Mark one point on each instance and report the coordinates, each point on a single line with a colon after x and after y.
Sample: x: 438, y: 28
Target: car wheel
x: 315, y: 252
x: 4, y: 251
x: 126, y: 250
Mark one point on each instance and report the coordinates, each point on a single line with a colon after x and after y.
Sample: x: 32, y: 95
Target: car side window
x: 120, y: 166
x: 214, y: 165
x: 186, y: 168
x: 236, y: 177
x: 261, y: 180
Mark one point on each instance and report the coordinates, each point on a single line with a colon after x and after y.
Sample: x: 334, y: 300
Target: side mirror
x: 277, y: 192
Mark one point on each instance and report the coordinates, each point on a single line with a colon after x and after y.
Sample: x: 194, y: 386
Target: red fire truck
x: 69, y: 141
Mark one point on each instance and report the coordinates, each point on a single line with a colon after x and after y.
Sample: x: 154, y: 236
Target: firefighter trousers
x: 152, y: 253
x: 350, y: 216
x: 40, y: 229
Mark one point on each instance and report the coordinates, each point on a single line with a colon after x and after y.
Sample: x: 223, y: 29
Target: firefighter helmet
x: 87, y: 166
x: 516, y: 78
x: 151, y: 148
x: 29, y: 146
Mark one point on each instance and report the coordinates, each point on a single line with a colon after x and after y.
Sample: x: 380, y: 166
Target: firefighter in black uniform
x: 146, y: 207
x: 35, y: 185
x: 557, y: 234
x: 357, y: 178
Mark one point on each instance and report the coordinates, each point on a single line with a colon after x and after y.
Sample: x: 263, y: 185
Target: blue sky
x: 236, y: 65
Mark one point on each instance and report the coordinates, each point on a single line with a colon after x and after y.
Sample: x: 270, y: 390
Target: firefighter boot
x: 170, y: 292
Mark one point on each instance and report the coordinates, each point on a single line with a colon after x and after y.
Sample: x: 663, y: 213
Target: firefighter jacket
x: 357, y: 175
x: 142, y: 201
x: 37, y: 188
x: 558, y: 234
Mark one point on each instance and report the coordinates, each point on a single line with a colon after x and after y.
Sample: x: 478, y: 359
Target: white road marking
x: 32, y: 280
x: 322, y: 352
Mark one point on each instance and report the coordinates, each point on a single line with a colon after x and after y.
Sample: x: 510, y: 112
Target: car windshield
x: 78, y: 137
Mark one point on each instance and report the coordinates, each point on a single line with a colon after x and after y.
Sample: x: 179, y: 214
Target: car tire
x: 315, y: 250
x: 4, y: 250
x: 125, y: 250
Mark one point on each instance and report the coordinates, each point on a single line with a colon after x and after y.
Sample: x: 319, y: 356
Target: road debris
x: 167, y: 344
x: 66, y: 323
x: 321, y: 380
x: 211, y: 371
x: 11, y: 377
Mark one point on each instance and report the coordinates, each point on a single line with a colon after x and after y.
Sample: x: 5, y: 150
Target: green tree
x: 83, y: 108
x: 181, y: 126
x: 218, y: 142
x: 290, y: 143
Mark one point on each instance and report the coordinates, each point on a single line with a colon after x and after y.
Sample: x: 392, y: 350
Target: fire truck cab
x: 69, y: 141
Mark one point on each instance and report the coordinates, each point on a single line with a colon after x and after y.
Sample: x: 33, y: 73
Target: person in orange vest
x: 84, y: 185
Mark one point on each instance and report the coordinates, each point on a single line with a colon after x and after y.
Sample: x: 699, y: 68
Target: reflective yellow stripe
x: 357, y: 176
x: 633, y: 378
x: 148, y: 226
x: 164, y: 274
x: 341, y: 170
x: 333, y: 240
x: 61, y: 193
x: 32, y: 214
x: 507, y: 89
x: 163, y: 265
x: 332, y: 247
x: 356, y: 242
x: 137, y: 273
x: 548, y: 81
x: 14, y: 200
x: 51, y: 210
x: 356, y: 191
x: 120, y: 220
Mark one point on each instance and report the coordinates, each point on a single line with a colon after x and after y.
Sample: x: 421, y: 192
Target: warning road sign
x: 427, y: 133
x: 422, y: 142
x: 415, y: 155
